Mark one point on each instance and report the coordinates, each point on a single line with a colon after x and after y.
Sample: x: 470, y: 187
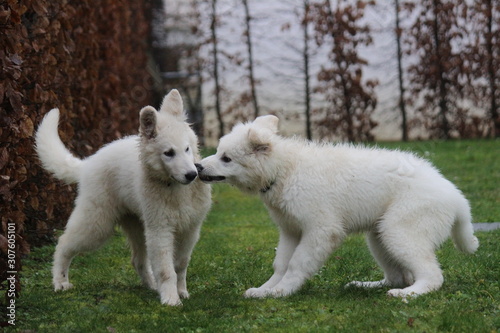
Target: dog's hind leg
x: 134, y: 230
x: 394, y: 274
x: 87, y: 229
x: 425, y: 269
x: 411, y: 243
x: 185, y: 243
x: 62, y: 260
x: 428, y: 277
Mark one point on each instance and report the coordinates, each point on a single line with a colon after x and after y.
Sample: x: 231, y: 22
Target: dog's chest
x: 183, y: 205
x: 282, y: 215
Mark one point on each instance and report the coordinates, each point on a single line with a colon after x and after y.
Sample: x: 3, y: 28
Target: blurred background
x: 344, y: 70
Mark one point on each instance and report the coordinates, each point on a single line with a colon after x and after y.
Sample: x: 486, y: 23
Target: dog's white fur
x: 319, y: 193
x: 146, y: 184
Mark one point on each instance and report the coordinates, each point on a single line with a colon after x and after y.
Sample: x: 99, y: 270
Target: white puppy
x: 146, y: 184
x: 318, y: 194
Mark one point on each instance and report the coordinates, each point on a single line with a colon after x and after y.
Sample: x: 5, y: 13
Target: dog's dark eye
x: 225, y: 159
x: 169, y: 153
x: 187, y: 149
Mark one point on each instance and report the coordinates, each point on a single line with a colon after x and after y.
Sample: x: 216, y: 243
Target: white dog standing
x: 146, y: 184
x: 319, y: 193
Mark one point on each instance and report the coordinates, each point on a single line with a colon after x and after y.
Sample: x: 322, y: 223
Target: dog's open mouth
x: 209, y: 179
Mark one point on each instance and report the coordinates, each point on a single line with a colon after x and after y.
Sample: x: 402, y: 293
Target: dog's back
x: 115, y: 171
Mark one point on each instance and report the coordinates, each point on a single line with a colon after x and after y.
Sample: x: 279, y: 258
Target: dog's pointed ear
x: 259, y: 140
x: 172, y: 103
x: 259, y: 135
x: 270, y: 122
x: 147, y: 118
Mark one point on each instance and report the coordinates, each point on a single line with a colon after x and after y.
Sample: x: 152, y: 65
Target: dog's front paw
x: 402, y: 293
x: 171, y: 301
x: 183, y: 294
x: 256, y: 293
x: 58, y: 286
x: 279, y: 292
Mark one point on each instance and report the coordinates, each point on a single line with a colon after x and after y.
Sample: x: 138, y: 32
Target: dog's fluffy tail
x: 52, y: 152
x: 463, y: 231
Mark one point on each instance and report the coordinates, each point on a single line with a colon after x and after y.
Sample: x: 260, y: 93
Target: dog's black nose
x: 198, y: 166
x: 190, y: 176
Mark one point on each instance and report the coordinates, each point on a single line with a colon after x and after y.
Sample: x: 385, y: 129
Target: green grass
x: 236, y: 251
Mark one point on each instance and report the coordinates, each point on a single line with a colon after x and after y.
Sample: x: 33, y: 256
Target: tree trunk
x: 195, y: 107
x: 213, y: 30
x: 442, y: 81
x: 305, y: 56
x: 402, y: 104
x: 494, y: 113
x: 250, y: 60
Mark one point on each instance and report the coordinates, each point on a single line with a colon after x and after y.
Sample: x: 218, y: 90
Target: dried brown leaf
x: 4, y: 157
x: 26, y: 128
x: 4, y: 245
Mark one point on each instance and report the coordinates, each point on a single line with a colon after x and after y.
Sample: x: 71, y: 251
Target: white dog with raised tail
x: 146, y: 184
x: 319, y: 193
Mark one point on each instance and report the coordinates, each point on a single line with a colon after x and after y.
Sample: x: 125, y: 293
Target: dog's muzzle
x: 207, y: 178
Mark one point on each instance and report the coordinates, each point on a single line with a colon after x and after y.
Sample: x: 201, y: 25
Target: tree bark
x: 442, y: 81
x: 492, y: 71
x: 305, y: 55
x: 250, y: 59
x: 213, y: 30
x: 402, y: 104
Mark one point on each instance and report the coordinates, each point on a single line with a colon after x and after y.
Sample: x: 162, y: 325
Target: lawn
x: 236, y: 251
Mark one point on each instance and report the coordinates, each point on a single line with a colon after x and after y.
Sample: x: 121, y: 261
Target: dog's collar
x: 268, y: 187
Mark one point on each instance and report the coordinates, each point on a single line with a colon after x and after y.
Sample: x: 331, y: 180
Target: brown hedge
x: 89, y: 59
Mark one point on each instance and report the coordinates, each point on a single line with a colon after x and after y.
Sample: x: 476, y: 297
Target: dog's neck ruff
x: 268, y: 187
